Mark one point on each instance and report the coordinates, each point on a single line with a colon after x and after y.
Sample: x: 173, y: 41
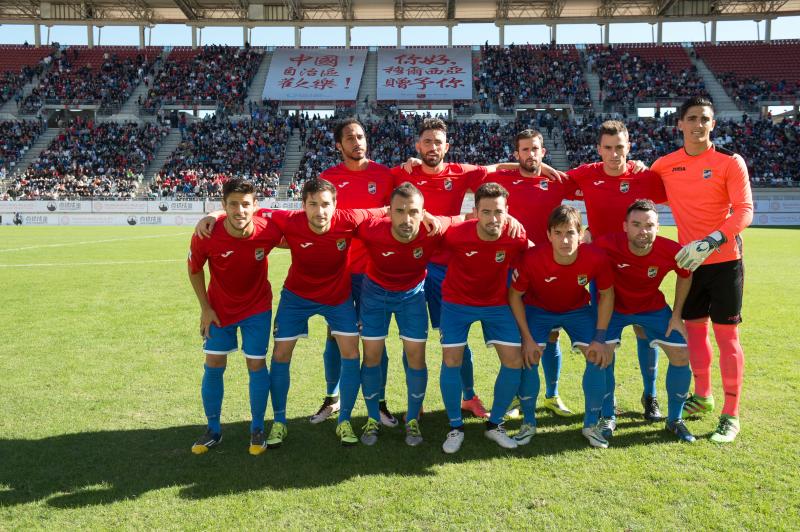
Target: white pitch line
x: 106, y: 263
x: 67, y: 244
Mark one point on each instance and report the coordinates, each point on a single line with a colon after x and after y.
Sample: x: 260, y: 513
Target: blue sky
x: 178, y: 35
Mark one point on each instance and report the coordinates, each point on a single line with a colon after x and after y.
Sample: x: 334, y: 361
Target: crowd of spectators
x: 217, y: 75
x: 213, y: 150
x: 530, y: 74
x: 91, y: 160
x: 747, y: 92
x: 16, y: 137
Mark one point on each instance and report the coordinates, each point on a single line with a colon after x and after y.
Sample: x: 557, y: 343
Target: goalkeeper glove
x: 692, y: 255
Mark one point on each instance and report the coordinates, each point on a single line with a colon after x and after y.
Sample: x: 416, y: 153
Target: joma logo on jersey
x: 679, y: 169
x: 707, y: 174
x: 448, y: 184
x: 260, y: 254
x: 500, y: 256
x: 652, y: 271
x: 624, y: 186
x: 417, y: 253
x: 372, y: 187
x: 341, y: 244
x: 543, y: 184
x: 583, y: 279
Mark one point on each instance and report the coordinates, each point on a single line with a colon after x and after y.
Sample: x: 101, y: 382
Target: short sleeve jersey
x: 607, y: 198
x: 239, y: 286
x: 365, y: 189
x: 637, y: 278
x: 477, y: 273
x: 561, y: 288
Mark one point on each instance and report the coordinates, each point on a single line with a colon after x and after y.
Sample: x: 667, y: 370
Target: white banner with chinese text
x: 425, y: 74
x: 314, y: 74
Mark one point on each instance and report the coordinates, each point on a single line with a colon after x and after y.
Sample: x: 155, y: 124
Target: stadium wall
x: 772, y: 208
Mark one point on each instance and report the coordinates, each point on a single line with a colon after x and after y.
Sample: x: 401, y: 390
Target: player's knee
x: 678, y: 356
x: 256, y: 364
x: 216, y: 361
x: 553, y: 337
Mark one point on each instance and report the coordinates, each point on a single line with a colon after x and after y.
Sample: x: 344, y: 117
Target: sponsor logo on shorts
x: 624, y: 186
x: 260, y: 254
x: 652, y: 271
x: 500, y: 256
x: 448, y: 184
x: 341, y: 244
x: 372, y: 187
x: 707, y: 173
x: 583, y: 279
x: 417, y: 253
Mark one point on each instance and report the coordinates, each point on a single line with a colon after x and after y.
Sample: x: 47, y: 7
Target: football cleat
x: 387, y: 419
x: 475, y: 407
x: 347, y: 436
x: 697, y: 405
x: 726, y: 430
x: 370, y: 434
x: 607, y: 427
x: 679, y: 429
x: 595, y: 437
x: 454, y: 440
x: 330, y: 405
x: 652, y: 412
x: 258, y: 443
x: 277, y: 434
x: 556, y: 406
x: 525, y: 434
x: 206, y: 441
x: 413, y: 434
x: 498, y: 435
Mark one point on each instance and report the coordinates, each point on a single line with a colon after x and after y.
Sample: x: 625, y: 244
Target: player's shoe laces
x: 679, y: 429
x: 607, y: 426
x: 346, y: 434
x: 370, y: 434
x: 330, y: 405
x: 453, y: 441
x: 475, y: 407
x: 652, y: 411
x: 258, y: 442
x: 387, y: 419
x: 513, y: 410
x: 525, y: 434
x: 595, y: 437
x: 277, y: 434
x: 497, y: 434
x: 726, y: 430
x: 697, y: 405
x: 413, y: 434
x: 556, y: 406
x: 206, y: 442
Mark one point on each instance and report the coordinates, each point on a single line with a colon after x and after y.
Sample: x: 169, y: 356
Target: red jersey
x: 319, y: 262
x: 477, y: 272
x: 607, y: 197
x: 443, y: 192
x: 239, y: 287
x: 394, y: 265
x: 532, y: 199
x: 360, y: 189
x: 637, y: 279
x: 561, y: 288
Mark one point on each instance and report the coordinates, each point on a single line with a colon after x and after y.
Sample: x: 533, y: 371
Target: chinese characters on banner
x: 425, y: 74
x: 314, y: 74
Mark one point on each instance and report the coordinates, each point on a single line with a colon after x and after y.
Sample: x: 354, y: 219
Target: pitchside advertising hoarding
x: 425, y: 74
x: 314, y: 74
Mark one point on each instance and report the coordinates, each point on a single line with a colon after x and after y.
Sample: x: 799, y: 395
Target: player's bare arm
x: 207, y: 314
x: 682, y: 286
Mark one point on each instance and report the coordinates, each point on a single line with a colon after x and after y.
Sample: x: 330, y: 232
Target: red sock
x: 700, y: 356
x: 731, y: 365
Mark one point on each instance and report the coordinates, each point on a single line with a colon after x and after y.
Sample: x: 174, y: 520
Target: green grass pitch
x: 100, y: 367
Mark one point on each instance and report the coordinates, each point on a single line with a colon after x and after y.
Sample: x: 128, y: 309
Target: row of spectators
x: 91, y: 160
x: 16, y: 137
x: 747, y: 92
x: 203, y: 183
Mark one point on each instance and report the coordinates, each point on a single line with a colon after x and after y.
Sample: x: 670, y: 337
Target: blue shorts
x: 433, y: 292
x: 580, y: 324
x: 255, y: 337
x: 655, y: 325
x: 291, y: 321
x: 408, y: 307
x: 497, y: 323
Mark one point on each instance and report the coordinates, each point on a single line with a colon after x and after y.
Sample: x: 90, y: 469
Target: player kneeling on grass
x: 640, y: 260
x: 239, y: 296
x: 549, y: 291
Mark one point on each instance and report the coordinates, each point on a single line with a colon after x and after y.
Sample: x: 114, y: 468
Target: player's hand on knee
x: 676, y: 324
x: 531, y: 352
x: 207, y: 317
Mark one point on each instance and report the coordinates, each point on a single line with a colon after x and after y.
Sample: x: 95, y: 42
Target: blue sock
x: 370, y: 388
x: 259, y: 392
x: 331, y: 360
x: 348, y: 388
x: 609, y: 407
x: 279, y: 384
x: 467, y: 375
x: 678, y: 380
x: 211, y: 390
x: 551, y: 364
x: 384, y: 374
x: 450, y: 384
x: 417, y: 382
x: 648, y: 365
x: 528, y: 392
x: 594, y: 387
x: 506, y: 387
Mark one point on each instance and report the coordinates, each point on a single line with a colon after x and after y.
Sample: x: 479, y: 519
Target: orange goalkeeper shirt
x: 708, y: 192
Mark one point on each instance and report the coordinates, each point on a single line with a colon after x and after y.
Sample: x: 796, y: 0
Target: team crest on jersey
x: 500, y: 256
x: 707, y: 173
x: 543, y: 184
x: 652, y: 271
x: 448, y: 184
x: 624, y: 186
x: 341, y: 244
x: 583, y: 279
x: 372, y: 187
x: 417, y: 253
x: 260, y: 254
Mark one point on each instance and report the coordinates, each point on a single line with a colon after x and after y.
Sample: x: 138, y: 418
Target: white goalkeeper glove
x: 693, y: 254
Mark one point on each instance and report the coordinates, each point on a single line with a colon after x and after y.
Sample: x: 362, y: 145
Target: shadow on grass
x: 96, y: 468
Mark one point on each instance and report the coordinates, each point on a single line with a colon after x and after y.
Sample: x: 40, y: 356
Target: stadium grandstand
x: 146, y: 122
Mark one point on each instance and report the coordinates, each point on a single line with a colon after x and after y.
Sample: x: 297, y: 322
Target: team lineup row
x: 518, y: 266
